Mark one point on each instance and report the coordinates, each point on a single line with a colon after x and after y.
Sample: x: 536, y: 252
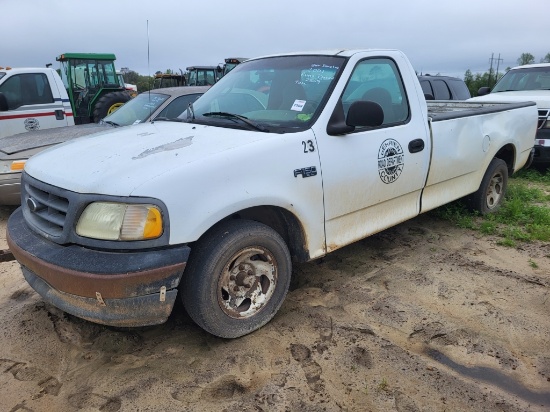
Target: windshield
x: 137, y: 110
x: 532, y: 78
x: 2, y: 74
x: 276, y: 94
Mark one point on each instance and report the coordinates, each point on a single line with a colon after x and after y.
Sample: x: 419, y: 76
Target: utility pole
x: 490, y: 71
x: 498, y: 64
x: 491, y: 68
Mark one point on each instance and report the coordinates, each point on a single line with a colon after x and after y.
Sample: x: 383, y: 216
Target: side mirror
x: 428, y: 96
x: 337, y: 122
x: 360, y: 113
x: 4, y: 107
x: 483, y: 91
x: 365, y: 113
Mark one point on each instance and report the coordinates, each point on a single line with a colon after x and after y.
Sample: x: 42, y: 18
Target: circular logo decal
x: 32, y: 124
x: 391, y: 160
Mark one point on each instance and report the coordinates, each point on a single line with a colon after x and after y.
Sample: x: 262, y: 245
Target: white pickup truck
x: 32, y: 99
x: 287, y: 158
x: 529, y: 82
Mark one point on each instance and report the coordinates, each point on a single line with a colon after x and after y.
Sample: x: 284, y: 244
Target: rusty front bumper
x: 131, y: 288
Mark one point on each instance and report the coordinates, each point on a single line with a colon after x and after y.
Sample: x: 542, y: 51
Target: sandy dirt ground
x: 421, y: 317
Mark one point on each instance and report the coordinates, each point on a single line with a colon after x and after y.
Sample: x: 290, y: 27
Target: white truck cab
x: 32, y: 99
x: 530, y: 82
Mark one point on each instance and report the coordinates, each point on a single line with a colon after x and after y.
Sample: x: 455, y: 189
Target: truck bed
x: 466, y: 135
x: 439, y: 110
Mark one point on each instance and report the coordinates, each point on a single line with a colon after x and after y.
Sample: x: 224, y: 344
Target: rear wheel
x: 490, y: 195
x: 237, y: 278
x: 108, y: 104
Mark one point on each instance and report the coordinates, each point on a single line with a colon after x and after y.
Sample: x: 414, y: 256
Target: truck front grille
x: 543, y: 117
x: 48, y: 210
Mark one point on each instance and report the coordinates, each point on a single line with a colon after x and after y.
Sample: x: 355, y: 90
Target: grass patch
x: 523, y: 217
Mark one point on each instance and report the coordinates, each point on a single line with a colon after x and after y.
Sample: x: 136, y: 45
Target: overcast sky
x: 438, y: 36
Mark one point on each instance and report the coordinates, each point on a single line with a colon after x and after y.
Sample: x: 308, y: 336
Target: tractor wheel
x: 108, y: 104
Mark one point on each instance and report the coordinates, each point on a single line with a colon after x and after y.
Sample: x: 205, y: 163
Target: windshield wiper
x: 111, y: 123
x: 168, y: 119
x: 238, y: 116
x: 190, y: 113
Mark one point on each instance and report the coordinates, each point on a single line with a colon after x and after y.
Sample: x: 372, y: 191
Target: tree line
x: 490, y: 77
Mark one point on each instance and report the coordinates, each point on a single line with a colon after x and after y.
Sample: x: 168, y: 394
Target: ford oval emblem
x: 32, y: 205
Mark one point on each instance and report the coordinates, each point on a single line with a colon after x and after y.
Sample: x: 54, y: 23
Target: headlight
x: 120, y: 221
x: 12, y: 166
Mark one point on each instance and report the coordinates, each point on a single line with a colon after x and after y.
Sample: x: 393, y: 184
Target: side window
x: 110, y: 74
x: 441, y: 90
x: 27, y: 89
x: 178, y: 106
x: 460, y: 90
x: 378, y: 80
x: 426, y: 88
x: 12, y: 90
x: 43, y: 89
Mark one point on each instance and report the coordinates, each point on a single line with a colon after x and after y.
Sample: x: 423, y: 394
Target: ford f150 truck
x: 287, y: 158
x: 32, y: 99
x: 530, y: 82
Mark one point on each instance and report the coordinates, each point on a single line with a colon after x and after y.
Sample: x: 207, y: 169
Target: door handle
x: 59, y: 115
x: 416, y: 145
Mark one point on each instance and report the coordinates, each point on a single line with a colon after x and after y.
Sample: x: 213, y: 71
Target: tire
x: 236, y: 279
x: 108, y: 104
x: 491, y: 192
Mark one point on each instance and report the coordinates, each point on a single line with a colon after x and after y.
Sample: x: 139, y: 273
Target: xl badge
x: 391, y: 160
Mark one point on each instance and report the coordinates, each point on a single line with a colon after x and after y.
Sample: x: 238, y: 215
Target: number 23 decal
x: 308, y: 146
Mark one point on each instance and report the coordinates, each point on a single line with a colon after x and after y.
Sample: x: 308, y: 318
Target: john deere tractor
x: 92, y: 85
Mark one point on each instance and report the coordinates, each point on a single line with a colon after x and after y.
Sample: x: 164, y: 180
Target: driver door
x: 373, y: 177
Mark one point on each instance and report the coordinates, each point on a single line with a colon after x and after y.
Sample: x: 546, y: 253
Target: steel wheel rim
x: 495, y: 190
x: 247, y: 282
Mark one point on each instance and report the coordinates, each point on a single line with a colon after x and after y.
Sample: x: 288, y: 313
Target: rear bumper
x: 133, y: 288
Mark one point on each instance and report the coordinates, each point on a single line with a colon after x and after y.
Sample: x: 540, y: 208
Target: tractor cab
x: 231, y: 63
x: 203, y: 75
x: 92, y: 84
x: 163, y: 80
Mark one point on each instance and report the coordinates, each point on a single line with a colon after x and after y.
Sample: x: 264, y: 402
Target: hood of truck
x: 118, y: 162
x: 540, y: 97
x: 34, y: 141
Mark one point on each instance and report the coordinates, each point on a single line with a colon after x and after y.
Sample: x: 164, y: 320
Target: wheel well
x: 280, y: 220
x: 508, y: 154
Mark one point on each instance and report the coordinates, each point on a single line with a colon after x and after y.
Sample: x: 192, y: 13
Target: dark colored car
x: 444, y: 88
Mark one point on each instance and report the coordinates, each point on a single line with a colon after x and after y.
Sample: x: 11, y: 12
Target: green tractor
x: 92, y: 84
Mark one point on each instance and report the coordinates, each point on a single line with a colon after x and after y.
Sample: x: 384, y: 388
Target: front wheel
x: 237, y: 278
x: 490, y: 195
